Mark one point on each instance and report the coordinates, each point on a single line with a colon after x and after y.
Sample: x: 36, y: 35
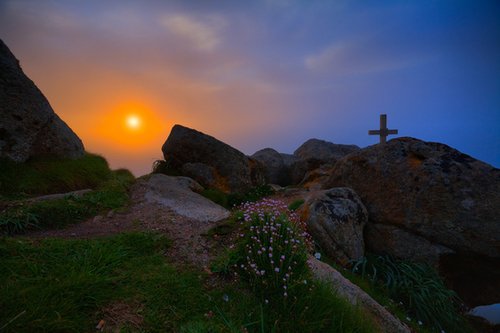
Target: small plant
x: 252, y: 195
x: 273, y: 248
x: 418, y: 288
x: 296, y: 204
x: 233, y: 200
x: 163, y: 167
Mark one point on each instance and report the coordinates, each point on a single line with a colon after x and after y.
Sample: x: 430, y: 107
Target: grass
x: 49, y: 175
x: 270, y: 258
x: 232, y: 200
x: 110, y: 193
x: 417, y: 288
x: 58, y: 285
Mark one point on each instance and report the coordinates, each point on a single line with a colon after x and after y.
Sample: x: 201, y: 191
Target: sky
x: 263, y: 73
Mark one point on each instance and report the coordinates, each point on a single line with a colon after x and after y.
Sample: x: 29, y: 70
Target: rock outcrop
x: 211, y: 162
x: 277, y: 170
x: 307, y: 163
x: 28, y: 125
x: 424, y: 199
x: 323, y: 151
x: 177, y: 193
x: 335, y: 219
x: 314, y: 155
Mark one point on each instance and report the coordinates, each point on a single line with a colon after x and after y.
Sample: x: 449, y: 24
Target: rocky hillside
x: 29, y: 127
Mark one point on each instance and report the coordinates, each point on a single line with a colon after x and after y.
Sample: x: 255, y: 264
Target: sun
x: 133, y: 122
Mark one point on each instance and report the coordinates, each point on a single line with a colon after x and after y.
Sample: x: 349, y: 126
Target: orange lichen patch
x: 415, y: 161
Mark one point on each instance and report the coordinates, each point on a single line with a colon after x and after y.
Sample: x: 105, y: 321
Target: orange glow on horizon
x: 130, y: 126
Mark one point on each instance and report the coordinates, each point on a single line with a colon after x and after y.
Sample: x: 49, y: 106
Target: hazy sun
x: 133, y: 122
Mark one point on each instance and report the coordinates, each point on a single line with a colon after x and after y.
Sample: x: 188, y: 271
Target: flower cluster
x: 274, y: 246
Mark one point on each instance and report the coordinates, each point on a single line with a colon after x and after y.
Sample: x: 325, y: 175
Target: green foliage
x: 58, y: 285
x: 216, y: 196
x: 231, y: 200
x: 419, y: 289
x: 296, y: 204
x: 273, y: 249
x: 49, y: 175
x: 252, y: 195
x: 270, y: 256
x: 111, y: 194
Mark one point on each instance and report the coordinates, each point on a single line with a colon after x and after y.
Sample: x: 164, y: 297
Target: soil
x: 191, y: 244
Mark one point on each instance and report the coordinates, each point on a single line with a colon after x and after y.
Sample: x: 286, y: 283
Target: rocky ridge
x: 29, y: 126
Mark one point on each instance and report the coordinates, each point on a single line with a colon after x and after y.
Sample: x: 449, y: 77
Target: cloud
x: 203, y: 35
x: 363, y: 56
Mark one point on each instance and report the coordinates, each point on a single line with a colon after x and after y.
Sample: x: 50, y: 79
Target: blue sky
x: 262, y: 74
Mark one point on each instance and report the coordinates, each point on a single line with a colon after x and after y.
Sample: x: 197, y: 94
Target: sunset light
x: 265, y: 73
x: 133, y: 122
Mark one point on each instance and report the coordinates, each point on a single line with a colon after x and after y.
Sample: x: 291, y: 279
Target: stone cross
x: 383, y: 132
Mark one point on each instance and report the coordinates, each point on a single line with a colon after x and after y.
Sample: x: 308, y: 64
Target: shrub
x: 419, y: 289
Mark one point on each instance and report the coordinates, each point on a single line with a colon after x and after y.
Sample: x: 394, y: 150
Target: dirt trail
x: 190, y: 245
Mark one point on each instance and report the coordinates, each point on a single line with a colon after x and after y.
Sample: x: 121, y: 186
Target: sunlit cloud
x: 203, y: 35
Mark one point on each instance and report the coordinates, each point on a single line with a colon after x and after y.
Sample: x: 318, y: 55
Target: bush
x: 419, y: 289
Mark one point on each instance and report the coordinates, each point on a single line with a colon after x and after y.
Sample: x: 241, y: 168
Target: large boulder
x: 335, y: 219
x: 28, y: 125
x: 323, y: 151
x: 211, y: 162
x: 179, y: 194
x: 424, y: 199
x: 314, y: 154
x: 276, y: 169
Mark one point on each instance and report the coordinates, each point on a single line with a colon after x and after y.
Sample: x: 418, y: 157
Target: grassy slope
x: 49, y: 175
x: 63, y: 285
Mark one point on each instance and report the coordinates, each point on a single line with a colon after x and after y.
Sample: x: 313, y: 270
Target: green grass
x: 296, y: 204
x: 270, y: 258
x: 110, y: 194
x: 58, y: 285
x: 49, y: 175
x: 416, y: 287
x: 231, y: 200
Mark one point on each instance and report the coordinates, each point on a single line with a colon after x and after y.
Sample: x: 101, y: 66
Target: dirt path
x: 190, y: 245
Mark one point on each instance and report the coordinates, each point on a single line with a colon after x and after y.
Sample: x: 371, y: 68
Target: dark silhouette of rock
x: 276, y: 170
x: 28, y: 125
x: 336, y: 218
x: 305, y: 163
x: 315, y: 153
x: 323, y: 151
x: 211, y: 162
x: 424, y: 199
